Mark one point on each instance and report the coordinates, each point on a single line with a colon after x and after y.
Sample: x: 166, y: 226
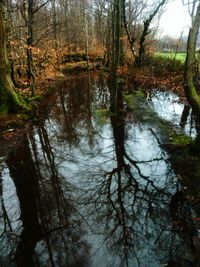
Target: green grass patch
x: 165, y: 62
x: 181, y: 56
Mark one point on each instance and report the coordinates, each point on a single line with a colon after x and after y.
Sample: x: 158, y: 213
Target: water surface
x: 89, y: 186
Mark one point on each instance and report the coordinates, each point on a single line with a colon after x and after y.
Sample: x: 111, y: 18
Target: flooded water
x: 92, y: 186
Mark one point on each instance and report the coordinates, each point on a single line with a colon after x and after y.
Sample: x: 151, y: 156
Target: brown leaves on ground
x: 171, y: 81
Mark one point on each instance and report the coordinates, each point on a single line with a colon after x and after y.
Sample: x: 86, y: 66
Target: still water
x: 93, y: 187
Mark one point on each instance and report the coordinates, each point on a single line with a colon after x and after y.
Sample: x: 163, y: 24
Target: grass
x: 165, y: 62
x: 181, y: 56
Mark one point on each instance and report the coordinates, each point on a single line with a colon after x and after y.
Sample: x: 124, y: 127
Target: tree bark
x: 30, y: 21
x: 117, y: 54
x: 190, y: 66
x: 10, y: 100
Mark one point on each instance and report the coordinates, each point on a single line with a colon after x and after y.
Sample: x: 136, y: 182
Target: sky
x: 175, y: 19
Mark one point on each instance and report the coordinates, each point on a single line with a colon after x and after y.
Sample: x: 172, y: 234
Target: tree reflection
x: 74, y: 111
x: 130, y: 204
x: 136, y: 210
x: 51, y: 233
x: 23, y: 174
x: 183, y: 212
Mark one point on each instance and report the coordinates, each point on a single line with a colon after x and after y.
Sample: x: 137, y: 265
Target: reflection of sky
x: 83, y: 160
x: 168, y: 107
x: 143, y: 146
x: 85, y: 165
x: 90, y: 166
x: 140, y: 145
x: 10, y: 198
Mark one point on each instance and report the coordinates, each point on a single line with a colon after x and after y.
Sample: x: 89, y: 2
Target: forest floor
x: 172, y: 81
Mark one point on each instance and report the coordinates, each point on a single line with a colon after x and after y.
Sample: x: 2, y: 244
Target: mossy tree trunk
x: 10, y: 101
x: 191, y: 66
x: 146, y: 31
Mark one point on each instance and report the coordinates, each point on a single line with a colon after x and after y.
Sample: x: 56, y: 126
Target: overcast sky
x: 175, y: 19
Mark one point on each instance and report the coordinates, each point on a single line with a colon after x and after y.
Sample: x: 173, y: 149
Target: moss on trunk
x: 191, y: 65
x: 10, y: 100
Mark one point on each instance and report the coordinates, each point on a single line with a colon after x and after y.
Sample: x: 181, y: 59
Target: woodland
x: 99, y: 135
x: 39, y: 37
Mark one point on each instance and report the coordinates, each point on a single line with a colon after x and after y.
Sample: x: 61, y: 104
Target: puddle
x: 88, y: 189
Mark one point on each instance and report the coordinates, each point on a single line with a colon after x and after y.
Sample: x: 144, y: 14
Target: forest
x: 40, y: 37
x: 99, y: 135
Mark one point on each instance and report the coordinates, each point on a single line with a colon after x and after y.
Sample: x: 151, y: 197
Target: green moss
x: 135, y: 98
x: 69, y: 66
x: 180, y: 139
x: 22, y: 116
x: 30, y: 100
x: 36, y: 98
x: 16, y: 103
x: 140, y: 94
x: 79, y: 66
x: 102, y: 115
x: 98, y: 58
x: 3, y: 108
x: 3, y: 98
x: 120, y: 79
x: 74, y: 57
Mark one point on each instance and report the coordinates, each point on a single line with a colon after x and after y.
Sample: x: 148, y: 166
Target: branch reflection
x: 86, y: 189
x: 50, y: 232
x: 138, y: 214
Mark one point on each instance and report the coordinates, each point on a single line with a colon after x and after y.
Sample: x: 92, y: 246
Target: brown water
x: 87, y: 187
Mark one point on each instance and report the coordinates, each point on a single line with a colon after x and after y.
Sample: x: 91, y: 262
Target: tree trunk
x: 117, y: 54
x: 54, y: 24
x: 30, y: 20
x: 145, y: 33
x: 141, y: 52
x: 190, y: 66
x: 10, y: 100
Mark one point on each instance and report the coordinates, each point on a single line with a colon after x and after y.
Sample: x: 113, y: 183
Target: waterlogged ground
x: 92, y: 186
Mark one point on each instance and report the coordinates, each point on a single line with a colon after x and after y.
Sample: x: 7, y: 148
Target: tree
x: 118, y: 46
x: 131, y: 15
x: 100, y: 23
x: 191, y: 65
x: 137, y: 19
x: 146, y: 30
x: 29, y: 17
x: 10, y: 99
